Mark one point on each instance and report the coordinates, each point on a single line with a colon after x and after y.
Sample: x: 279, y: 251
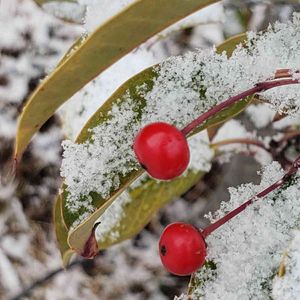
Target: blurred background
x: 31, y: 43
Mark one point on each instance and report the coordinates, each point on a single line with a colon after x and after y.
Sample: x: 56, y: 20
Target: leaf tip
x: 90, y: 249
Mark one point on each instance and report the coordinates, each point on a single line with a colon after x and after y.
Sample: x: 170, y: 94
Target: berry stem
x: 291, y: 171
x: 259, y: 87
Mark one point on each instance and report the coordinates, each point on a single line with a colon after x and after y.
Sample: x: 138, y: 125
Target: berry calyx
x: 162, y: 150
x: 182, y: 249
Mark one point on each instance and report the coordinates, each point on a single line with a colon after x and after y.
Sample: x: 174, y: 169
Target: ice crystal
x: 248, y: 249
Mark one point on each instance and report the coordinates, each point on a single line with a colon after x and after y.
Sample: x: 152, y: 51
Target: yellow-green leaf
x: 79, y: 234
x: 61, y: 232
x: 145, y: 201
x: 230, y: 44
x: 106, y: 45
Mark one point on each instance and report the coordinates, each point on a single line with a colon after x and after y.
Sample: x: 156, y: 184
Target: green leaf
x: 111, y: 41
x: 146, y: 200
x: 80, y: 234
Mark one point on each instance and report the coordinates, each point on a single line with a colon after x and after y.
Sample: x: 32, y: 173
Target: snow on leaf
x: 104, y: 157
x: 133, y: 209
x: 172, y: 94
x: 107, y: 44
x: 108, y: 130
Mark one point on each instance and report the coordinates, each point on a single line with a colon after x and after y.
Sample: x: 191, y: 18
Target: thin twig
x: 292, y: 171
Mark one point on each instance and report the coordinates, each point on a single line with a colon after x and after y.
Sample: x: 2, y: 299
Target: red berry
x: 162, y: 150
x: 182, y: 249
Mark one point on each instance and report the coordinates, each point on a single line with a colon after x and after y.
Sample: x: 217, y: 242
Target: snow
x: 31, y: 43
x: 80, y: 161
x: 201, y: 156
x: 46, y: 147
x: 24, y: 260
x: 261, y: 115
x: 111, y: 218
x: 248, y: 249
x: 76, y: 112
x: 8, y: 276
x: 30, y: 24
x: 7, y: 125
x: 233, y: 129
x: 200, y: 152
x: 66, y: 10
x: 83, y: 104
x: 287, y: 286
x: 290, y: 121
x: 100, y: 11
x: 185, y: 87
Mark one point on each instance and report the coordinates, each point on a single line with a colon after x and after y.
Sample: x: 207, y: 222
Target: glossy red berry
x: 182, y: 249
x: 162, y: 150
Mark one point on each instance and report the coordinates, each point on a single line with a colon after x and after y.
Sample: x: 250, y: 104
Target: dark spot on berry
x: 163, y: 250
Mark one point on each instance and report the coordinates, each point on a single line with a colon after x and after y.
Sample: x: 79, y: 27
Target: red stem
x: 212, y: 227
x: 260, y: 87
